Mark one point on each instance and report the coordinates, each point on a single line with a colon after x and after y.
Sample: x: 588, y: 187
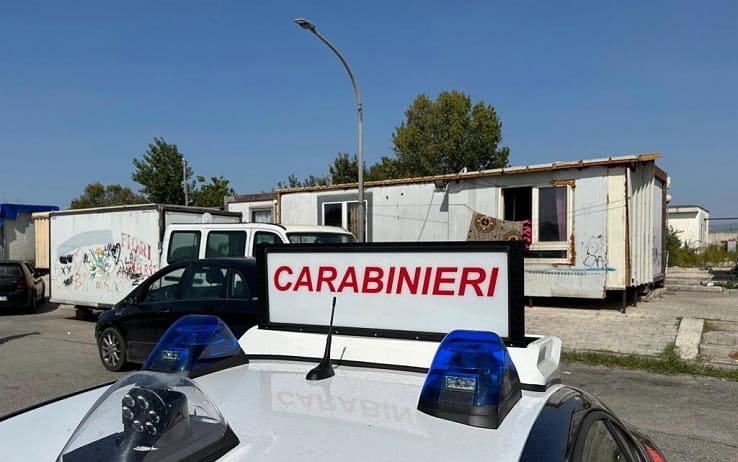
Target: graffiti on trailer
x: 112, y: 267
x: 138, y: 263
x: 594, y: 252
x: 69, y: 266
x: 101, y: 261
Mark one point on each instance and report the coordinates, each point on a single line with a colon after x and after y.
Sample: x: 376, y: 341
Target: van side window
x: 264, y: 237
x: 226, y: 244
x: 183, y: 245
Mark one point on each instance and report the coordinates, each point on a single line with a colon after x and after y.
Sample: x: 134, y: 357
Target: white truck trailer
x: 97, y: 255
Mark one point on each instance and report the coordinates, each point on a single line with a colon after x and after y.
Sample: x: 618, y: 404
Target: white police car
x: 429, y: 383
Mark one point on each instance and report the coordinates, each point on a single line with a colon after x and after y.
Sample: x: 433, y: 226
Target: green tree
x: 448, y: 135
x: 100, y: 195
x: 312, y: 180
x: 214, y: 193
x: 344, y: 169
x: 437, y: 137
x: 673, y: 243
x: 387, y: 168
x: 159, y: 172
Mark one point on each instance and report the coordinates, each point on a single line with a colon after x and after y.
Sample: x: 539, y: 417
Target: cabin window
x: 344, y: 215
x: 552, y: 213
x: 261, y: 216
x: 548, y: 208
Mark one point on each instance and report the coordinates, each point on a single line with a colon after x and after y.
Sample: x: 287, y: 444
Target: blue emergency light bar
x: 191, y: 342
x: 472, y: 380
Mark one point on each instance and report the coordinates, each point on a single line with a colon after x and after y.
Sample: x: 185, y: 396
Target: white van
x: 187, y: 241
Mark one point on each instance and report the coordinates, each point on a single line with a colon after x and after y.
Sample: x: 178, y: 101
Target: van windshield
x: 320, y: 238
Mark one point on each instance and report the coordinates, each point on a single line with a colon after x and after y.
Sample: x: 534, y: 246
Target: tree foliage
x: 448, y: 135
x: 681, y: 254
x: 438, y: 137
x: 345, y: 169
x: 159, y: 172
x: 387, y: 168
x: 294, y: 182
x: 100, y: 195
x: 214, y: 193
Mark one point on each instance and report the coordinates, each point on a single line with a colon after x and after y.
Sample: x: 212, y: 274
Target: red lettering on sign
x: 406, y: 280
x: 426, y: 280
x: 326, y: 274
x: 304, y: 280
x: 372, y: 280
x: 472, y: 277
x: 277, y: 274
x: 390, y: 280
x: 493, y: 282
x: 349, y: 280
x: 440, y: 279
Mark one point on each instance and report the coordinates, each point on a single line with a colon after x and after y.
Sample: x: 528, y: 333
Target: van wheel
x: 82, y: 313
x: 112, y: 348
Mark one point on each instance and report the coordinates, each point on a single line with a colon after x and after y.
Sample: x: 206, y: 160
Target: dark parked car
x: 224, y: 287
x: 21, y: 286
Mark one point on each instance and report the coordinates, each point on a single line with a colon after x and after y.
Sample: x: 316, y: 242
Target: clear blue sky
x: 247, y: 94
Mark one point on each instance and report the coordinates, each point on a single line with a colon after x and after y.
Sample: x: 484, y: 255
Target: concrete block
x: 689, y: 337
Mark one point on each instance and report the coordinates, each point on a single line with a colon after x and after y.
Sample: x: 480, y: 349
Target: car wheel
x: 112, y: 348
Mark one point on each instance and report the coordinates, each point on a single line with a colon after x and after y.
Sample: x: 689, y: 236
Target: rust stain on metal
x: 570, y: 183
x: 734, y: 355
x: 572, y: 250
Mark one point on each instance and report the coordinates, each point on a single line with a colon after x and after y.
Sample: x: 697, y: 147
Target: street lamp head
x: 305, y: 24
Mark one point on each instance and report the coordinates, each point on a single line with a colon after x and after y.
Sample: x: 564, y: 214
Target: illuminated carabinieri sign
x: 395, y: 290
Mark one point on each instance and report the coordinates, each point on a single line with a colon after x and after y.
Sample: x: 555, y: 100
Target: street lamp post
x: 307, y: 25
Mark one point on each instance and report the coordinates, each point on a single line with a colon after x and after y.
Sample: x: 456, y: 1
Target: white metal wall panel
x: 479, y: 195
x: 173, y: 217
x: 415, y: 212
x: 590, y: 232
x: 301, y: 208
x: 657, y: 246
x: 642, y: 224
x: 616, y: 229
x: 687, y: 226
x: 96, y: 258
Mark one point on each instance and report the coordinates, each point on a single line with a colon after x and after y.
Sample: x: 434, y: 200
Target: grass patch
x: 709, y: 326
x: 668, y: 362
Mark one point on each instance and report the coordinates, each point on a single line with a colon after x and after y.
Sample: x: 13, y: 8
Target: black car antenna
x: 324, y: 370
